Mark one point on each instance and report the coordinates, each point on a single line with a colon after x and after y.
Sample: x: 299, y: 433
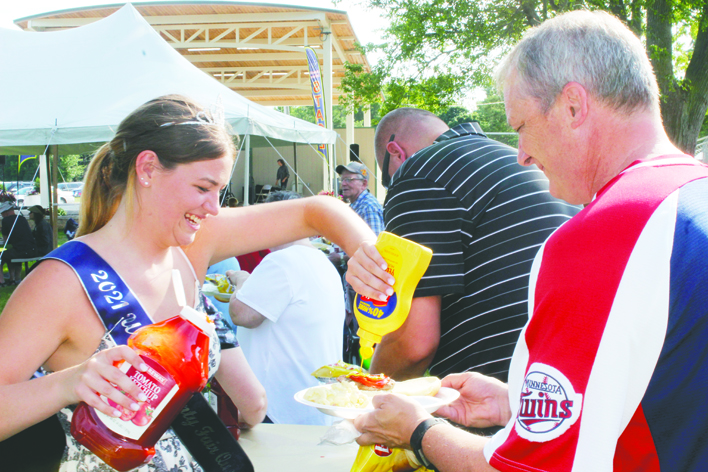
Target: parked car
x: 65, y: 196
x: 24, y: 192
x: 28, y: 196
x: 70, y: 186
x: 13, y: 186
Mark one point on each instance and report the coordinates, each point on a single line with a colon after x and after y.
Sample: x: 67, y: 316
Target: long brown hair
x: 154, y: 126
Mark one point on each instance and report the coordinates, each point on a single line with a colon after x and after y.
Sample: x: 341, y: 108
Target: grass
x: 5, y: 292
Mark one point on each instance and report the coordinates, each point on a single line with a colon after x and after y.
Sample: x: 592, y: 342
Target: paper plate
x: 431, y: 404
x: 210, y: 290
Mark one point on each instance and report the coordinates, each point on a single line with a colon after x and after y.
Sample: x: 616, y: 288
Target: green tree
x: 492, y: 118
x: 455, y: 115
x: 71, y: 168
x: 436, y: 49
x: 339, y: 115
x: 435, y: 93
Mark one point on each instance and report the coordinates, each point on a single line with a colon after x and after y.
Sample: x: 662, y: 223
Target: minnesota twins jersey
x: 611, y: 371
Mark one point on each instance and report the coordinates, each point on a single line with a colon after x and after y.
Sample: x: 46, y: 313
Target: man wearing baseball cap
x: 355, y: 180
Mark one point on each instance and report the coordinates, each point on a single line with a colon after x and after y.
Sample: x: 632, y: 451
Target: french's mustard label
x: 375, y: 309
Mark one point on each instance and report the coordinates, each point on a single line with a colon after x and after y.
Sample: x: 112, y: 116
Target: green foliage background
x: 437, y: 50
x: 71, y: 169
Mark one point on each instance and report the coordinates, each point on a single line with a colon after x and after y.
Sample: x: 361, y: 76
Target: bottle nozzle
x: 366, y: 351
x: 366, y: 343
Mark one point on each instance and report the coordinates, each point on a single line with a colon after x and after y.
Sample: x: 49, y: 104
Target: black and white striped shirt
x: 485, y: 217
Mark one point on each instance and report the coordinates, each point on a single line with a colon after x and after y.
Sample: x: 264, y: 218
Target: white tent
x: 75, y: 86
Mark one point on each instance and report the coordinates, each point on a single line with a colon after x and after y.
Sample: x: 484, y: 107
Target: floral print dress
x: 170, y: 454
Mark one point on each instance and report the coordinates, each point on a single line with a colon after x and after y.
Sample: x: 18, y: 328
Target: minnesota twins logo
x: 548, y: 405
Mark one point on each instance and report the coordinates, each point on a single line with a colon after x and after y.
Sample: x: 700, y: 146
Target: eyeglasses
x: 349, y: 180
x: 385, y: 178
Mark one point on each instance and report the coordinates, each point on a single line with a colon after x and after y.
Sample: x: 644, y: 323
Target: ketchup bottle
x: 176, y: 352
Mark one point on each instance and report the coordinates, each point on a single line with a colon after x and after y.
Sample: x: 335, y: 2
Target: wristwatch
x: 417, y: 440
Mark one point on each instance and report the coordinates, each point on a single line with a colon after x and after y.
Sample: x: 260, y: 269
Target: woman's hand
x: 366, y: 273
x: 483, y: 402
x: 98, y: 376
x: 391, y: 423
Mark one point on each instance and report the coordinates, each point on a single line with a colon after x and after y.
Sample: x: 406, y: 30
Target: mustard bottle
x: 407, y: 262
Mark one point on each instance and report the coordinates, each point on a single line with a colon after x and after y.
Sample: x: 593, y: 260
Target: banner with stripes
x: 317, y: 94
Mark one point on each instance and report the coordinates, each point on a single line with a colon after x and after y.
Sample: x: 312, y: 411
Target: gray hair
x: 594, y: 49
x: 281, y: 195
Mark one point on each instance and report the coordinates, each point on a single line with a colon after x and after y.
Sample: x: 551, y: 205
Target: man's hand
x: 483, y: 402
x: 237, y: 278
x: 392, y: 422
x: 366, y: 273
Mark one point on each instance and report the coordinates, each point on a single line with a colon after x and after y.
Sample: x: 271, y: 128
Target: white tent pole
x: 247, y: 172
x: 44, y: 191
x: 55, y: 199
x: 327, y: 86
x: 233, y: 170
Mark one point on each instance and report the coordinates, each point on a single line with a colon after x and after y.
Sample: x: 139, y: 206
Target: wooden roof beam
x: 260, y: 68
x: 295, y: 84
x: 249, y: 57
x: 281, y: 102
x: 284, y: 93
x: 43, y: 23
x: 254, y: 43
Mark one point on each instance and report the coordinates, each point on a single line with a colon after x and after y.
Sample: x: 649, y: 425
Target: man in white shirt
x: 293, y: 307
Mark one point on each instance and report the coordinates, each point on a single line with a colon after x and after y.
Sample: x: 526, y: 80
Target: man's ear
x: 575, y: 103
x: 145, y: 165
x: 398, y: 155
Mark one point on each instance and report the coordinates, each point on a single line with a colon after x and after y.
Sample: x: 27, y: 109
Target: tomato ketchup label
x: 159, y: 388
x: 375, y: 308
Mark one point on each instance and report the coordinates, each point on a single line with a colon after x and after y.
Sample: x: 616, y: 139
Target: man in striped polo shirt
x: 464, y: 196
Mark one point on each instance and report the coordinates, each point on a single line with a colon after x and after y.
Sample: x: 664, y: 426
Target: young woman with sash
x: 150, y: 207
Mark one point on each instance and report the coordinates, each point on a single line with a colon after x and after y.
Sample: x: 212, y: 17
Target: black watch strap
x: 417, y: 440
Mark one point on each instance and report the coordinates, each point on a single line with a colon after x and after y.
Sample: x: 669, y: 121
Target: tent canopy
x: 73, y: 87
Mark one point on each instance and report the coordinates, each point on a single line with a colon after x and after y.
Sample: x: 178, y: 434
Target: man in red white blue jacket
x: 611, y: 370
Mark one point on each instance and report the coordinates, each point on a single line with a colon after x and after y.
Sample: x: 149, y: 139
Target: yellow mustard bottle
x: 407, y: 262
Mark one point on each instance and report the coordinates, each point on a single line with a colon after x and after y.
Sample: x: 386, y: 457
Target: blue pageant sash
x: 197, y: 425
x: 119, y: 310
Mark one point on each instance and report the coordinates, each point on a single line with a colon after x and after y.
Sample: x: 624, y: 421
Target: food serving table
x: 295, y: 447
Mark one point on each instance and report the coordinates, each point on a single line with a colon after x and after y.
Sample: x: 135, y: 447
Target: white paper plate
x: 431, y: 404
x: 210, y: 290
